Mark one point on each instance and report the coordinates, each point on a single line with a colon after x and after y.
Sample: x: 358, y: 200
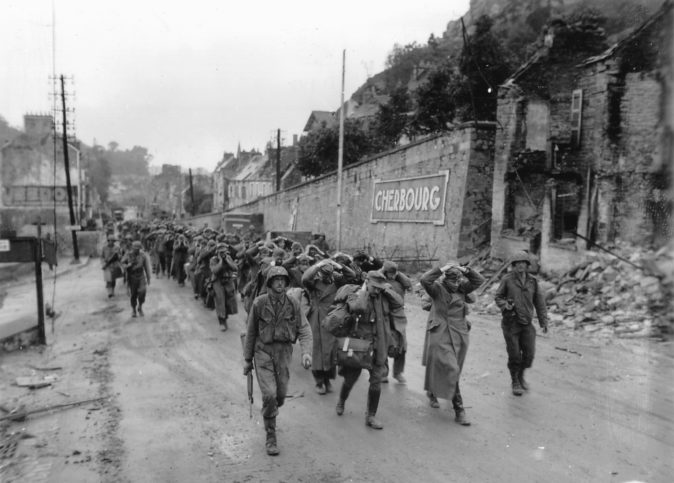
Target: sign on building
x: 37, y: 195
x: 410, y: 200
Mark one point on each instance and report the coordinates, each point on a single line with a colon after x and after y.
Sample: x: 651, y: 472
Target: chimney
x: 294, y: 139
x: 37, y: 125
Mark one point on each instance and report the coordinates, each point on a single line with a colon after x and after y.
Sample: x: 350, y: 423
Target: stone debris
x: 605, y: 296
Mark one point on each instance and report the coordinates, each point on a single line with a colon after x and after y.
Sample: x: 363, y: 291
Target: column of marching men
x: 347, y: 311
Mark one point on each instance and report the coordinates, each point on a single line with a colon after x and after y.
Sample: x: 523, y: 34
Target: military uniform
x: 138, y: 271
x: 275, y: 322
x: 110, y: 257
x: 517, y: 296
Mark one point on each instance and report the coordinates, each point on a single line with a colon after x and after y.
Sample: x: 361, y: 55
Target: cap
x: 137, y: 244
x: 389, y: 266
x: 376, y: 279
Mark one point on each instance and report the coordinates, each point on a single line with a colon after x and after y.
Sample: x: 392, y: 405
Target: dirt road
x: 176, y: 407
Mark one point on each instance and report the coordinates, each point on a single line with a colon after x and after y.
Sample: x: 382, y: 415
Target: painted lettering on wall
x: 22, y: 196
x: 411, y: 200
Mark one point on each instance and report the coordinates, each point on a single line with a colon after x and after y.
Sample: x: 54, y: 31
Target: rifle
x: 249, y: 381
x: 113, y: 258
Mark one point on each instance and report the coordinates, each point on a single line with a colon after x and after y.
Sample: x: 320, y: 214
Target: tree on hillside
x: 484, y: 65
x: 392, y: 119
x: 128, y: 162
x: 318, y: 150
x: 435, y: 101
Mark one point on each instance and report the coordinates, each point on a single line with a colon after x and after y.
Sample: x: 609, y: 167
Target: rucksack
x: 339, y: 319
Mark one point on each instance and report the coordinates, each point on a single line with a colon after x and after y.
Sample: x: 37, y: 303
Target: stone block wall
x: 465, y: 152
x: 477, y: 204
x: 509, y: 116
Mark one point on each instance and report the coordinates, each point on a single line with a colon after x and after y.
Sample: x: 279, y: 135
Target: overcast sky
x: 190, y: 82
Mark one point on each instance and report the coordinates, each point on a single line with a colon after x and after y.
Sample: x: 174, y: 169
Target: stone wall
x: 510, y: 112
x: 466, y: 152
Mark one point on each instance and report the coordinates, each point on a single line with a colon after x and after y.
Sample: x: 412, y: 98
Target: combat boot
x: 270, y: 428
x: 372, y: 405
x: 433, y: 401
x: 516, y: 385
x: 459, y: 412
x: 520, y: 377
x: 343, y: 395
x: 140, y: 310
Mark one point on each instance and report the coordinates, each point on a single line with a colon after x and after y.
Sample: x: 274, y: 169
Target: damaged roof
x: 662, y: 11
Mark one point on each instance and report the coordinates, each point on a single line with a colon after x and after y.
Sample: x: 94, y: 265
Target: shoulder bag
x: 354, y: 352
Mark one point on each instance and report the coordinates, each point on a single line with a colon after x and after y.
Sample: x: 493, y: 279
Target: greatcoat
x: 446, y: 341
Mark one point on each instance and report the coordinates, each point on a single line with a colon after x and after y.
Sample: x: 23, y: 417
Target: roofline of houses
x: 463, y: 125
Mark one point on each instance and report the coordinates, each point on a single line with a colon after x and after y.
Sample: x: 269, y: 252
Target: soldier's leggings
x: 272, y: 362
x: 137, y: 290
x: 520, y: 343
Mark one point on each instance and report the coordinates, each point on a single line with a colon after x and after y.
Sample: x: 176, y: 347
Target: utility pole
x: 76, y: 252
x: 278, y: 160
x: 191, y: 192
x: 340, y: 158
x: 37, y: 256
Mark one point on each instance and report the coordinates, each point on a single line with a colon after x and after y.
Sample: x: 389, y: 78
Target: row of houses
x: 582, y: 146
x: 580, y: 153
x: 33, y: 185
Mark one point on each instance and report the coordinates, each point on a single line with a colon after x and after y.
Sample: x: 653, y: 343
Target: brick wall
x: 465, y: 152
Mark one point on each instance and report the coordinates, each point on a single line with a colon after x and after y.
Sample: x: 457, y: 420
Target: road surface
x: 176, y: 410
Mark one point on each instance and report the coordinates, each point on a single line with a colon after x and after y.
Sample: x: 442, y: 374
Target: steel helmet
x: 275, y: 271
x: 520, y: 257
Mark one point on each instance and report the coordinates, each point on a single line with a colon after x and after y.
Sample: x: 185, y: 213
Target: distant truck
x: 125, y: 213
x: 234, y: 222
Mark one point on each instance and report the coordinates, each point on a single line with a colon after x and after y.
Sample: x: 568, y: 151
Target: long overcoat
x: 446, y: 341
x: 321, y: 297
x: 223, y: 276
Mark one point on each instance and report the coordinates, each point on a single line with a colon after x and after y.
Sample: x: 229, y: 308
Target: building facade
x: 581, y: 155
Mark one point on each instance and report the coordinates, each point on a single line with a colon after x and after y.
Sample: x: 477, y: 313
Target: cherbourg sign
x: 410, y: 200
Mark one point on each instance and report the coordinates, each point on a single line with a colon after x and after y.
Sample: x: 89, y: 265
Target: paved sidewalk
x: 18, y: 297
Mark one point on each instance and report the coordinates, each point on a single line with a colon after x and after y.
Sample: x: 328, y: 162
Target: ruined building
x: 582, y: 151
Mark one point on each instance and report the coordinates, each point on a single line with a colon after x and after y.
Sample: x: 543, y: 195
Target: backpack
x: 339, y: 319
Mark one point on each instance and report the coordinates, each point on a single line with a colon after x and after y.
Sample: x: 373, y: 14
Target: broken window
x: 537, y: 125
x: 576, y: 116
x: 565, y: 211
x: 523, y: 204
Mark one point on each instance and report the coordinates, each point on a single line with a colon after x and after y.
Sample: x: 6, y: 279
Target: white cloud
x: 189, y: 82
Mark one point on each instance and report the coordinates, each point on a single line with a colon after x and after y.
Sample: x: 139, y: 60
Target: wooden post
x: 69, y: 189
x: 37, y: 254
x: 340, y: 157
x: 278, y: 160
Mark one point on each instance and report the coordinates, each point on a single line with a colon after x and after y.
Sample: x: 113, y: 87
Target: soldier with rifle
x: 275, y: 322
x: 110, y: 258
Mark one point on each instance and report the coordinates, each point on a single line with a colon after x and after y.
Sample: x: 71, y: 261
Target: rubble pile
x: 606, y: 296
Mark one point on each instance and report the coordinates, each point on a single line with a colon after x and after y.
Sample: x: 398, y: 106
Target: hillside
x: 517, y: 22
x: 7, y: 132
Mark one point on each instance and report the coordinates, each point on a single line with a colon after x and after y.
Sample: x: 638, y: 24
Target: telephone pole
x: 278, y: 160
x: 191, y: 192
x: 66, y: 161
x: 340, y: 157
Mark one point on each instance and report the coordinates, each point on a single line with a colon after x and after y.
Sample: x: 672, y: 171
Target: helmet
x: 520, y: 257
x: 275, y: 271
